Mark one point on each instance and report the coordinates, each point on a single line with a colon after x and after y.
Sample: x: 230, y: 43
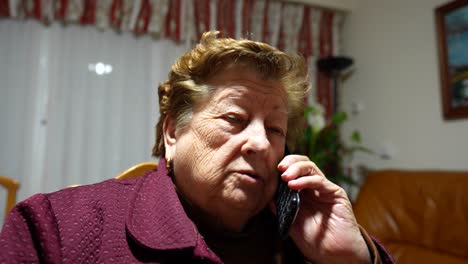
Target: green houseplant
x: 322, y: 143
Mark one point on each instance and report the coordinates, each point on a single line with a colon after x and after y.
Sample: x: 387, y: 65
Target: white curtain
x: 62, y: 123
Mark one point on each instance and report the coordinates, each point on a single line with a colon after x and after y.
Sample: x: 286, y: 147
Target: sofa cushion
x: 419, y: 209
x: 406, y: 253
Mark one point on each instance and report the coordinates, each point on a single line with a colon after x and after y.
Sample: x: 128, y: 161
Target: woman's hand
x: 325, y: 229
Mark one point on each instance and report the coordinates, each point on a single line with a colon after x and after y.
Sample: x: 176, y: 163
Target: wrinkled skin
x: 325, y: 229
x: 225, y: 164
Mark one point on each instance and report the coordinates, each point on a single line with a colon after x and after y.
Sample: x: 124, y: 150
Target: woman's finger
x: 316, y: 182
x: 300, y: 169
x: 291, y: 159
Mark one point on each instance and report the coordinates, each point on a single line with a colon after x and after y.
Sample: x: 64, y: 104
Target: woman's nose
x: 256, y: 140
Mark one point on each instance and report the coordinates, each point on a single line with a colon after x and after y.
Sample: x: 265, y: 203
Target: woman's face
x: 225, y: 160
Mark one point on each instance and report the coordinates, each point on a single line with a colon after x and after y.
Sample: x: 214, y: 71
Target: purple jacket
x: 115, y: 221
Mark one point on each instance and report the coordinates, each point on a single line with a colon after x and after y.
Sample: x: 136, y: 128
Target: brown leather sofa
x: 419, y: 216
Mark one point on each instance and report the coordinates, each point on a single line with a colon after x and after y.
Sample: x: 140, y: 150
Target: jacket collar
x: 156, y: 218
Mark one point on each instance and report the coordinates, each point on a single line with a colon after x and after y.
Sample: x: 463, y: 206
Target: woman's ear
x: 169, y: 131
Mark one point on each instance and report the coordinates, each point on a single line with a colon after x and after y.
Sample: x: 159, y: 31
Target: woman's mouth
x: 252, y: 175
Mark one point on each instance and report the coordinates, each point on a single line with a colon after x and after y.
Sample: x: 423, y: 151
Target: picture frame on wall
x: 452, y: 38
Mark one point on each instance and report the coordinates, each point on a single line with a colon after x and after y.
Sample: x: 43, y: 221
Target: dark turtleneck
x: 256, y: 243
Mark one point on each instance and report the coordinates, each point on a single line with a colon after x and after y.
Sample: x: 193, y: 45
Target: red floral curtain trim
x: 266, y: 20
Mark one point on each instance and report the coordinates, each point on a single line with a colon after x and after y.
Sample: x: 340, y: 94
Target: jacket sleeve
x: 30, y: 233
x: 378, y: 253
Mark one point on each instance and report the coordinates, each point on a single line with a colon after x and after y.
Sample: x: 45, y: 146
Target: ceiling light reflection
x: 100, y: 68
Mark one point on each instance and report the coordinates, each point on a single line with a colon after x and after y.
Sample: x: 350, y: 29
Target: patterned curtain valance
x: 310, y: 31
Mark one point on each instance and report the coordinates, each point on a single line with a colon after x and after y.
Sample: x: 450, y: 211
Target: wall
x: 396, y: 83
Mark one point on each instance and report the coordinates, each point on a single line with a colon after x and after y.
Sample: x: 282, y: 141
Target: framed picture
x: 452, y: 37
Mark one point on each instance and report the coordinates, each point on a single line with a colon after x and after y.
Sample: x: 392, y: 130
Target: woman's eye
x: 276, y: 130
x: 234, y: 118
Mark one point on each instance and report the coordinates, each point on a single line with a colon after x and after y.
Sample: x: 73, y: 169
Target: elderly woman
x: 228, y: 110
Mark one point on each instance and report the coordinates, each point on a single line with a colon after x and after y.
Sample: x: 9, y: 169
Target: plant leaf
x: 345, y: 179
x: 356, y: 136
x: 339, y: 118
x: 361, y: 149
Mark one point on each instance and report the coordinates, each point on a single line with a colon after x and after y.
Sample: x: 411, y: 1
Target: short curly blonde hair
x: 186, y: 85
